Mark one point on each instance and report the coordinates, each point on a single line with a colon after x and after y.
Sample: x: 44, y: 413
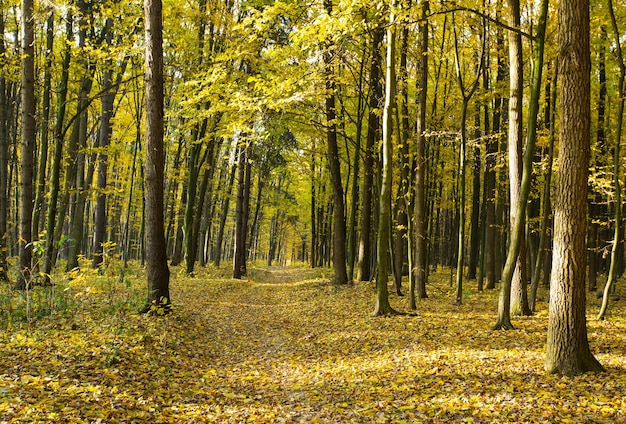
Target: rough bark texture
x: 156, y: 247
x: 567, y: 350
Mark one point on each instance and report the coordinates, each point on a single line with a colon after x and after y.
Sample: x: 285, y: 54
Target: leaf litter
x: 288, y: 346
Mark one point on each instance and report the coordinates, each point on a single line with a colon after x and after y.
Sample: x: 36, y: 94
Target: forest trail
x: 288, y: 346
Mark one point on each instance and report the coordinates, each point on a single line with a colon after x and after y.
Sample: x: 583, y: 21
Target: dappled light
x: 290, y: 350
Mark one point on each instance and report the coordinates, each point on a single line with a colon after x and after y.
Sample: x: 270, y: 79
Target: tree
x: 567, y: 350
x: 420, y: 165
x: 156, y: 256
x: 364, y: 271
x: 339, y: 215
x: 27, y: 145
x: 617, y: 237
x: 384, y: 221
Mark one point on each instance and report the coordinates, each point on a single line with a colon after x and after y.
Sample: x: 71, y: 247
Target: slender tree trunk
x: 466, y: 94
x: 617, y: 238
x: 518, y: 205
x: 45, y: 120
x: 156, y: 247
x: 518, y: 298
x: 243, y: 204
x: 104, y: 137
x: 543, y: 252
x: 27, y: 145
x: 217, y: 247
x: 4, y: 162
x: 567, y: 349
x: 339, y: 216
x: 364, y: 269
x: 419, y: 209
x: 382, y: 295
x: 55, y: 169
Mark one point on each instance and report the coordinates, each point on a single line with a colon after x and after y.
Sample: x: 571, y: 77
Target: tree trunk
x: 339, y: 216
x: 419, y: 209
x: 27, y: 145
x: 466, y: 94
x: 104, y: 137
x: 155, y: 247
x: 542, y: 251
x: 45, y: 121
x: 243, y: 204
x: 373, y: 134
x: 382, y: 294
x: 567, y: 350
x: 58, y: 135
x: 4, y: 163
x: 518, y: 294
x: 617, y: 237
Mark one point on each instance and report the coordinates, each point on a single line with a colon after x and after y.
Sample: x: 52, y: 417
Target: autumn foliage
x: 288, y: 346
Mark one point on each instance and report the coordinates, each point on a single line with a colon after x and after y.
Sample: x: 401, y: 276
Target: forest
x: 321, y: 211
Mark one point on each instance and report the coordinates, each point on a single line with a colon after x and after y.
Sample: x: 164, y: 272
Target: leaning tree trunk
x: 156, y: 247
x: 567, y: 349
x: 27, y: 144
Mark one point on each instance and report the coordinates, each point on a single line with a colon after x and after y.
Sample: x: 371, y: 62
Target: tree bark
x: 617, y: 236
x: 382, y: 306
x: 567, y: 350
x: 4, y: 162
x: 419, y: 212
x: 155, y: 247
x: 364, y: 265
x: 27, y: 145
x: 339, y: 216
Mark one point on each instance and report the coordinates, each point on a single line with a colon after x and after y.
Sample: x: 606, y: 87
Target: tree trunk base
x: 576, y: 366
x: 384, y: 310
x: 503, y: 325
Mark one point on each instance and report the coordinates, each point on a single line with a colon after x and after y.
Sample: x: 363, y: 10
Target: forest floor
x: 287, y: 346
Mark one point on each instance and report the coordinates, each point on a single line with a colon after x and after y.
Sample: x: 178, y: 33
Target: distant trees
x: 275, y: 138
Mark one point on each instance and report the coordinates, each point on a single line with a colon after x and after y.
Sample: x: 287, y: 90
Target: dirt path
x: 286, y: 346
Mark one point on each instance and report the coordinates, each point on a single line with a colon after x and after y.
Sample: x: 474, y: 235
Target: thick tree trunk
x: 156, y: 248
x: 567, y: 350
